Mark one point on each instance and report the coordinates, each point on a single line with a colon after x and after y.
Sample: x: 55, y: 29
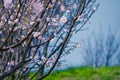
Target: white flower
x: 32, y: 22
x: 7, y: 3
x: 63, y: 19
x: 16, y: 20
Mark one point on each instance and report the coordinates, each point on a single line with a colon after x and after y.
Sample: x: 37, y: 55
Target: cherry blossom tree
x: 35, y: 34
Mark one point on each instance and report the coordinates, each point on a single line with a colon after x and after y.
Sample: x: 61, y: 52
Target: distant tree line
x: 102, y: 49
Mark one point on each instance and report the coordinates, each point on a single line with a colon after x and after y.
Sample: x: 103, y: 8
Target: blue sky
x: 107, y: 16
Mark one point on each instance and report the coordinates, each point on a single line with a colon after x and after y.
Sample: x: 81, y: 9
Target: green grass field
x: 86, y: 73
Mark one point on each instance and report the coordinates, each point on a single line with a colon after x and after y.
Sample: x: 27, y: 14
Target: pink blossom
x: 32, y: 17
x: 1, y: 23
x: 16, y: 20
x: 48, y: 19
x: 66, y: 30
x: 95, y: 8
x: 62, y: 8
x: 55, y: 24
x: 11, y: 63
x: 53, y: 30
x: 53, y: 1
x: 40, y: 37
x: 78, y: 45
x: 7, y: 3
x: 54, y: 20
x: 10, y: 22
x: 63, y: 19
x: 36, y: 34
x: 43, y: 59
x: 52, y: 40
x: 11, y: 50
x: 37, y: 7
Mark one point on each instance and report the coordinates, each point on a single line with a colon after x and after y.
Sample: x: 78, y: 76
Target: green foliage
x: 86, y: 73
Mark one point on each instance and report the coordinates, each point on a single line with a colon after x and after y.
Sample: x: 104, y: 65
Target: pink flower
x: 54, y: 20
x: 95, y: 8
x: 53, y: 1
x: 62, y: 8
x: 43, y: 59
x: 1, y: 23
x: 32, y: 17
x: 48, y: 19
x: 78, y: 45
x: 63, y: 19
x: 37, y: 7
x: 7, y: 3
x: 11, y: 63
x: 40, y: 37
x: 52, y: 40
x: 36, y: 34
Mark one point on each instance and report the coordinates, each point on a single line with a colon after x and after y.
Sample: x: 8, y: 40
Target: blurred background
x: 104, y: 23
